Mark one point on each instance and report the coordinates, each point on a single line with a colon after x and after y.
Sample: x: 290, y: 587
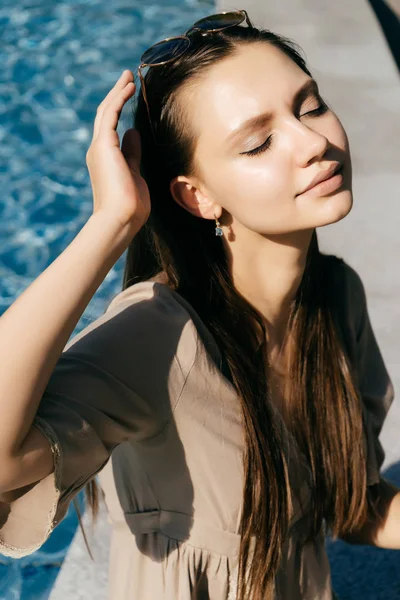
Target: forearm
x: 383, y: 532
x: 389, y: 535
x: 37, y: 326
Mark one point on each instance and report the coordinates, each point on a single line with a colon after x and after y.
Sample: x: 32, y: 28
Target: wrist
x: 111, y: 230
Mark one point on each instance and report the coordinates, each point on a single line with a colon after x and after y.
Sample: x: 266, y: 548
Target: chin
x: 335, y: 207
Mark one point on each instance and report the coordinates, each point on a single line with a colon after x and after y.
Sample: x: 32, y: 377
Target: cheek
x: 260, y: 180
x: 258, y: 192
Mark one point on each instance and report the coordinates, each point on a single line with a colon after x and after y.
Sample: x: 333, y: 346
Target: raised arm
x: 33, y: 333
x: 36, y: 327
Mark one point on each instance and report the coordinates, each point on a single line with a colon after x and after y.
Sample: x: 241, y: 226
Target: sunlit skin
x: 267, y: 222
x: 267, y: 225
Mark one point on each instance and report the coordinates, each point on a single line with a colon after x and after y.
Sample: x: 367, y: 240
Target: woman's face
x: 260, y: 144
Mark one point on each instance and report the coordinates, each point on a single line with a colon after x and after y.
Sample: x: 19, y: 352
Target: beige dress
x: 144, y: 382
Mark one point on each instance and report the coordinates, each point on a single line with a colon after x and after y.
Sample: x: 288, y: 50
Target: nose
x: 311, y: 145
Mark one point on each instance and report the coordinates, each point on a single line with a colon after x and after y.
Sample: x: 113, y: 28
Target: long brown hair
x: 322, y: 404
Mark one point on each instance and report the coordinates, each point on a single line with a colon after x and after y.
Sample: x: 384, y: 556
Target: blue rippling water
x: 59, y: 59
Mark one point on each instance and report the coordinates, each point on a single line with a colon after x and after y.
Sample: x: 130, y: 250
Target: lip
x: 323, y: 176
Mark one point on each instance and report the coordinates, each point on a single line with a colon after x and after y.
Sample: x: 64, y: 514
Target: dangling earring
x: 218, y: 230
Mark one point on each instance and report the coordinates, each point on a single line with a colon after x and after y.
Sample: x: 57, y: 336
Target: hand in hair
x: 119, y: 191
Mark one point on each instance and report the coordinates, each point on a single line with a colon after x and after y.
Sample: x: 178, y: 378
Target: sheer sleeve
x: 119, y: 379
x: 373, y: 379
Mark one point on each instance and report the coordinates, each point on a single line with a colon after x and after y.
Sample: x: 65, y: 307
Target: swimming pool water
x: 59, y: 59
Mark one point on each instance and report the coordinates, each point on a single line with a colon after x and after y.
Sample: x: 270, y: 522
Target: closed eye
x: 321, y: 110
x: 261, y: 148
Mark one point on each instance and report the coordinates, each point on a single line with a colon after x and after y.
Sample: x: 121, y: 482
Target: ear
x: 186, y: 192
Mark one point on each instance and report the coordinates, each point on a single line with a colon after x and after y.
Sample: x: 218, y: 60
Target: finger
x: 111, y: 114
x: 131, y: 148
x: 125, y: 78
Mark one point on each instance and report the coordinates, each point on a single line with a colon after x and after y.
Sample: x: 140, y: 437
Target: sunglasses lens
x: 165, y: 50
x: 219, y: 21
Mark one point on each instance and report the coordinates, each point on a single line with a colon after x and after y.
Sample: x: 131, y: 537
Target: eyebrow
x: 258, y: 121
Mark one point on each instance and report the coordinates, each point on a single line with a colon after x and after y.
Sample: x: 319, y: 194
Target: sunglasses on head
x: 169, y: 49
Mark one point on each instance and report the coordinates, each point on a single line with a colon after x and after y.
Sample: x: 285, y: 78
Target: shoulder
x: 145, y: 322
x: 151, y: 300
x: 344, y: 275
x: 355, y: 298
x: 354, y: 284
x: 348, y: 290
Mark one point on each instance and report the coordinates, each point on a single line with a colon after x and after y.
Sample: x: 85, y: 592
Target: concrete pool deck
x: 349, y: 57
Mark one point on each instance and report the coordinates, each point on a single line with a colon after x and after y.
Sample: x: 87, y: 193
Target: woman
x: 236, y: 377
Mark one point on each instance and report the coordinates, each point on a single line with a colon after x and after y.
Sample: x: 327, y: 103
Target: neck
x: 267, y: 271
